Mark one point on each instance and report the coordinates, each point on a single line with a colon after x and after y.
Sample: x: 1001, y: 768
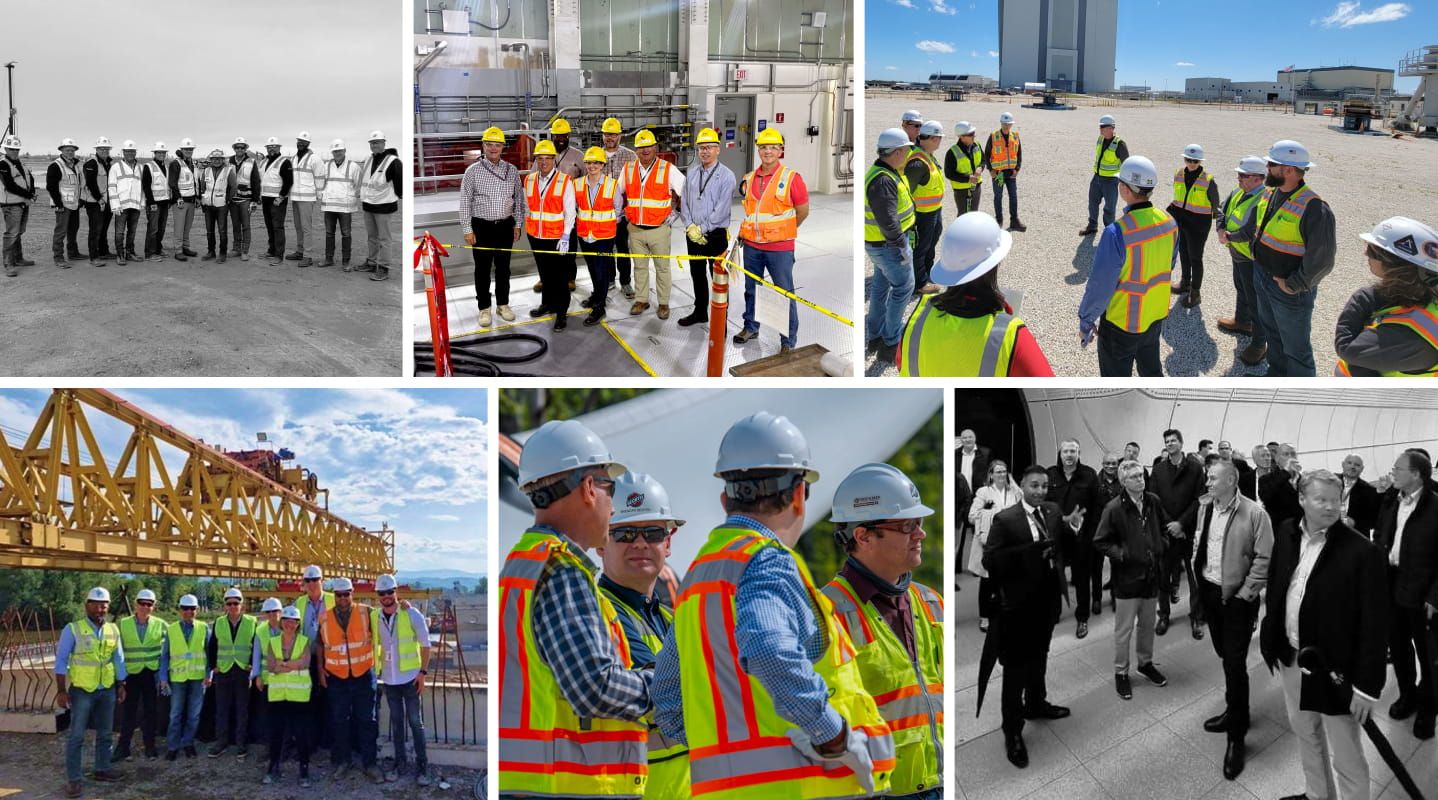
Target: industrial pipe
x: 433, y: 54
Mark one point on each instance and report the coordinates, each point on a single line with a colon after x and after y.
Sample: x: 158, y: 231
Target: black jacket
x: 1026, y: 573
x: 1132, y: 539
x: 1247, y: 486
x: 394, y: 174
x: 1413, y: 581
x: 980, y: 475
x: 1363, y: 505
x: 1344, y: 613
x: 1178, y: 489
x: 1079, y: 492
x: 1279, y: 497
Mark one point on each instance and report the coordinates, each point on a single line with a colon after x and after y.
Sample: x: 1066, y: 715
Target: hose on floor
x: 468, y: 359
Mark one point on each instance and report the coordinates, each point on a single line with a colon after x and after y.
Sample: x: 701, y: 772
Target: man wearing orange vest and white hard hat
x: 776, y: 203
x: 652, y: 187
x: 571, y: 710
x: 1003, y: 158
x: 349, y: 637
x: 600, y: 202
x: 549, y: 196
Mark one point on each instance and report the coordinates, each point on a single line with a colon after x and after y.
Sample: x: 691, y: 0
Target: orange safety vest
x: 770, y: 218
x: 647, y: 200
x: 599, y: 221
x: 349, y: 651
x: 545, y: 218
x: 1003, y: 150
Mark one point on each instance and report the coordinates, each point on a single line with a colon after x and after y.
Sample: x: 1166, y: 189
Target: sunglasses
x: 189, y: 608
x: 907, y: 527
x: 653, y: 534
x: 232, y: 602
x: 913, y: 124
x: 1190, y: 161
x: 311, y: 580
x: 386, y: 593
x: 605, y: 485
x: 145, y: 603
x: 342, y: 594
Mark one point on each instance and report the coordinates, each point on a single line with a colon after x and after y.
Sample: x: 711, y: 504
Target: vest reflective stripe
x: 263, y: 634
x: 545, y: 748
x: 293, y: 687
x: 1234, y: 213
x: 544, y: 218
x: 600, y: 221
x: 771, y: 218
x: 142, y: 654
x: 21, y: 176
x: 159, y: 180
x: 102, y: 178
x: 339, y: 187
x: 1422, y: 320
x: 187, y: 184
x: 1003, y: 151
x: 244, y: 171
x: 213, y: 188
x: 406, y: 643
x: 270, y: 180
x: 1142, y: 295
x: 1193, y: 199
x: 303, y: 189
x: 1105, y: 159
x: 937, y: 344
x: 235, y: 652
x: 647, y: 201
x: 910, y: 695
x: 738, y: 747
x: 187, y: 657
x: 124, y: 187
x: 69, y: 184
x: 905, y: 209
x: 349, y: 651
x: 966, y: 164
x: 1282, y: 232
x: 92, y: 660
x: 376, y: 189
x: 929, y: 197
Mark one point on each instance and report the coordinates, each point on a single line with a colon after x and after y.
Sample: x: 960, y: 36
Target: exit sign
x: 741, y: 74
x: 779, y: 117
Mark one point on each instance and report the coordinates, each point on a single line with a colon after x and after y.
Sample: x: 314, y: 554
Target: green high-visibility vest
x: 1421, y: 320
x: 142, y: 654
x: 236, y: 651
x: 1143, y: 291
x: 1105, y: 160
x: 1193, y: 198
x: 1233, y: 216
x: 905, y: 210
x: 407, y: 643
x: 92, y: 661
x: 293, y: 687
x: 936, y: 344
x: 187, y: 658
x: 928, y: 197
x: 966, y: 165
x: 264, y: 634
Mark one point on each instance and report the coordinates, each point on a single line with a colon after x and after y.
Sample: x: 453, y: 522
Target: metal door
x: 734, y: 119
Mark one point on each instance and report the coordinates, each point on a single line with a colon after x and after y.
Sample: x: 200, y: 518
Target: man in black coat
x: 971, y: 460
x: 1278, y: 490
x: 1245, y: 470
x: 1360, y: 499
x: 1024, y: 559
x: 963, y: 498
x: 1327, y: 589
x: 1407, y: 532
x: 1178, y: 482
x: 1130, y: 534
x: 1075, y: 485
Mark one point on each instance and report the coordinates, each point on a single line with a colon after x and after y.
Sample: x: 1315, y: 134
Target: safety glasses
x: 907, y: 527
x: 653, y: 534
x: 385, y: 593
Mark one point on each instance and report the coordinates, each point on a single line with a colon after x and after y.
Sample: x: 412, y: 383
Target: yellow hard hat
x: 545, y: 148
x: 708, y: 136
x: 644, y: 138
x: 611, y: 125
x: 493, y: 134
x: 559, y: 126
x: 596, y: 154
x: 769, y: 136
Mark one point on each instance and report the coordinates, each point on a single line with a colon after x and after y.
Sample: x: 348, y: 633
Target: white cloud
x: 1184, y: 64
x: 993, y: 54
x: 931, y: 46
x: 444, y: 517
x: 973, y: 54
x: 904, y: 3
x: 942, y: 7
x: 1348, y: 14
x: 892, y: 68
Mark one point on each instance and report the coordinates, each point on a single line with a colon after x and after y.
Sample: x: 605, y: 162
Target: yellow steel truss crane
x: 63, y: 505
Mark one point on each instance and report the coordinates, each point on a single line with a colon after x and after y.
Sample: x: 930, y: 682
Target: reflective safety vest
x: 214, y: 186
x: 124, y: 187
x: 270, y: 180
x: 236, y: 651
x: 647, y: 199
x: 1141, y: 299
x: 327, y: 599
x: 1194, y: 199
x: 929, y: 197
x: 545, y: 747
x: 187, y: 657
x: 69, y: 184
x: 339, y: 186
x: 600, y: 220
x: 738, y: 747
x: 376, y: 188
x: 303, y: 189
x: 1105, y: 159
x: 771, y: 218
x: 264, y: 635
x: 142, y: 654
x: 21, y: 176
x: 102, y: 177
x: 544, y: 218
x: 668, y: 759
x: 244, y: 171
x: 1422, y: 320
x: 966, y: 164
x: 186, y: 183
x: 159, y: 180
x: 1003, y: 150
x: 1281, y: 233
x: 938, y: 344
x: 92, y: 661
x: 406, y: 655
x: 1234, y: 214
x: 349, y: 651
x: 293, y: 687
x: 872, y: 231
x: 910, y: 695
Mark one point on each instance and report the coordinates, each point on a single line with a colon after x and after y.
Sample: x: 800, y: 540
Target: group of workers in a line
x: 755, y: 680
x: 312, y: 665
x: 618, y: 207
x: 1279, y: 233
x: 225, y: 190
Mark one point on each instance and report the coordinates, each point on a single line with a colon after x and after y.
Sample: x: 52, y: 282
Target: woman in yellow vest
x: 1391, y: 328
x: 1195, y: 197
x: 287, y: 689
x: 969, y: 329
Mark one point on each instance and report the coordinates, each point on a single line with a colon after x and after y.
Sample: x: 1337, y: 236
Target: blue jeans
x: 1287, y: 322
x: 888, y: 291
x: 186, y: 700
x: 1011, y: 185
x: 89, y: 709
x: 1244, y: 313
x: 935, y: 793
x: 1105, y: 189
x: 780, y: 264
x: 405, y: 712
x: 352, y: 719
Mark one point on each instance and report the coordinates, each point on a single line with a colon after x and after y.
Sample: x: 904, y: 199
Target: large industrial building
x: 1069, y: 45
x: 1224, y: 90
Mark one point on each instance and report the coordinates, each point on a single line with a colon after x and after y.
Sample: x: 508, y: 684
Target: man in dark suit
x: 1327, y: 589
x: 1245, y: 470
x: 1075, y: 485
x: 971, y: 461
x: 1360, y: 499
x: 1024, y: 559
x: 1178, y: 482
x: 1278, y: 490
x: 963, y: 497
x: 1407, y: 532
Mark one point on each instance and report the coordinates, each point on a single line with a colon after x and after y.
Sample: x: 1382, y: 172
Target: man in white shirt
x: 1407, y: 532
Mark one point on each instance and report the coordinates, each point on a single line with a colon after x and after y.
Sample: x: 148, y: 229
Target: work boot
x: 537, y: 312
x: 221, y: 258
x: 639, y: 307
x: 294, y: 256
x: 596, y: 316
x: 1090, y: 230
x: 506, y: 313
x: 786, y: 348
x: 663, y: 312
x: 1018, y: 226
x: 72, y: 789
x: 571, y: 286
x: 307, y: 262
x: 693, y: 318
x: 108, y: 775
x: 62, y: 264
x: 1253, y: 354
x: 381, y: 273
x: 187, y: 252
x: 561, y: 321
x: 929, y: 288
x: 372, y: 772
x: 628, y: 290
x: 485, y: 319
x: 25, y: 262
x: 367, y: 266
x: 181, y: 257
x: 538, y: 286
x: 208, y: 256
x: 887, y: 353
x: 744, y: 336
x: 1192, y: 299
x: 1231, y: 325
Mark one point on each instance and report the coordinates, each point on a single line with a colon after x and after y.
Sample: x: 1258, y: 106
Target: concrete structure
x: 977, y: 83
x: 1421, y: 111
x: 1224, y: 90
x: 1338, y: 79
x: 1068, y: 44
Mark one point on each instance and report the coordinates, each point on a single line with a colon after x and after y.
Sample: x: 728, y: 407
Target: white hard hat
x: 876, y: 492
x: 240, y: 140
x: 912, y: 116
x: 386, y: 583
x: 1107, y: 119
x: 1407, y: 239
x: 189, y: 601
x: 1193, y: 151
x: 931, y: 128
x: 68, y: 142
x: 964, y: 128
x: 971, y: 247
x: 640, y: 498
x: 375, y: 136
x: 304, y: 136
x: 11, y: 143
x: 187, y: 143
x: 1138, y: 172
x: 216, y: 153
x: 99, y: 594
x: 145, y: 594
x: 892, y: 139
x: 342, y: 585
x: 313, y: 571
x: 1252, y: 165
x: 338, y: 144
x: 290, y: 612
x: 102, y: 142
x: 233, y: 593
x: 272, y: 141
x: 560, y: 446
x: 128, y: 144
x: 1290, y: 154
x: 1006, y: 118
x: 271, y: 604
x: 765, y: 441
x: 160, y: 148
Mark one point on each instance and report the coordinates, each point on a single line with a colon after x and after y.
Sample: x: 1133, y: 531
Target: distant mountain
x: 439, y: 575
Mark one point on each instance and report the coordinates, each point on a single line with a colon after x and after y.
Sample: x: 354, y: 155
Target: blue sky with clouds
x: 1162, y: 42
x: 413, y: 458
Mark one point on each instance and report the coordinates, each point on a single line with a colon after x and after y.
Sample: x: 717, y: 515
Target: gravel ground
x: 1365, y: 179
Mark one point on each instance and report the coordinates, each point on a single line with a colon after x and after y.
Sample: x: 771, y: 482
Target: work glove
x: 855, y: 755
x: 563, y: 245
x: 695, y: 234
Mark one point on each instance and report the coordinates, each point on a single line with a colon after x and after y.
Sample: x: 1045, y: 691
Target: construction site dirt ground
x: 198, y: 318
x: 1365, y: 179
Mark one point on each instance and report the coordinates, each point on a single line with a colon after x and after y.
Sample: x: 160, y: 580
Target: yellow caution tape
x: 620, y: 339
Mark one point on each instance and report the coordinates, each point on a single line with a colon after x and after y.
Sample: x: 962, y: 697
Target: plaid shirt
x: 490, y: 193
x: 574, y: 642
x: 617, y: 160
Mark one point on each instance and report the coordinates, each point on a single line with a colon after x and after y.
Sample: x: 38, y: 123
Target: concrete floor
x: 824, y: 275
x: 1365, y: 179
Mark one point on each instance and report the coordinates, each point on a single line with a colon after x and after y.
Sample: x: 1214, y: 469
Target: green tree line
x: 63, y: 592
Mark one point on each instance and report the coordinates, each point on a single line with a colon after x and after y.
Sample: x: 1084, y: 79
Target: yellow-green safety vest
x: 234, y: 652
x: 1105, y: 159
x: 910, y: 695
x: 406, y: 642
x: 1422, y: 320
x: 1194, y: 199
x: 1143, y: 292
x: 872, y: 232
x: 142, y: 654
x: 1233, y: 216
x: 738, y: 743
x: 264, y: 634
x: 92, y: 661
x: 928, y: 197
x: 545, y: 747
x: 303, y: 602
x: 293, y: 687
x: 966, y: 164
x: 1281, y: 233
x: 937, y: 344
x: 187, y: 658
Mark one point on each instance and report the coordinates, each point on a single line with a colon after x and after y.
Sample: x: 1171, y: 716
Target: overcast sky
x: 160, y: 70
